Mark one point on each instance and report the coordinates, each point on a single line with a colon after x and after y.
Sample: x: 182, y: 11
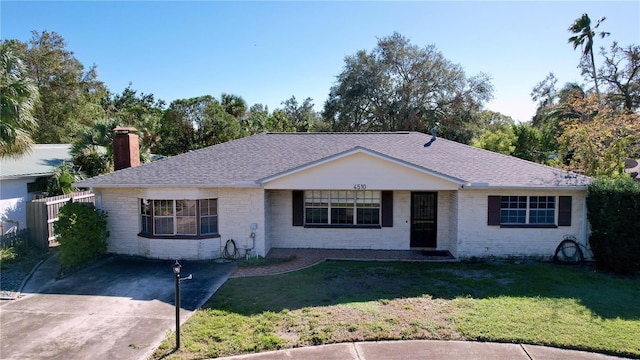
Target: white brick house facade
x: 297, y: 190
x: 238, y: 209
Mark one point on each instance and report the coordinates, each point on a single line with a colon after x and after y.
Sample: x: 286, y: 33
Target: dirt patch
x: 407, y: 318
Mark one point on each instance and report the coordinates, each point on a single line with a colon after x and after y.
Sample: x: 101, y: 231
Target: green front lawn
x: 339, y: 301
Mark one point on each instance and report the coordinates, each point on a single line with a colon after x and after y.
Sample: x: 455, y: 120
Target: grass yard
x: 339, y: 301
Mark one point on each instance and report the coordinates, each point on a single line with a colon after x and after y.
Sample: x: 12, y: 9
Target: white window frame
x: 351, y: 200
x: 170, y: 205
x: 528, y: 210
x: 208, y: 216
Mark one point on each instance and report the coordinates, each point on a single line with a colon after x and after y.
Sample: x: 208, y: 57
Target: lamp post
x: 176, y: 271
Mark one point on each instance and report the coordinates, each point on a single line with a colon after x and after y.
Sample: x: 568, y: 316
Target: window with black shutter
x: 529, y: 211
x: 564, y: 211
x: 342, y: 208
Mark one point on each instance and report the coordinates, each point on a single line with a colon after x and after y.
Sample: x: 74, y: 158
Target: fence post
x: 36, y: 212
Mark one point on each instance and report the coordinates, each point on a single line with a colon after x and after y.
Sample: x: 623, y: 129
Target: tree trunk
x: 595, y: 79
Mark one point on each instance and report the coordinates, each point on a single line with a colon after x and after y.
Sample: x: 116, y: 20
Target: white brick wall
x: 462, y: 225
x: 444, y: 240
x: 285, y: 235
x: 237, y: 209
x: 476, y: 238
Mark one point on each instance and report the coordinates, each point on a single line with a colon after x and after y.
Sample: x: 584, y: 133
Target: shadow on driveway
x: 142, y: 279
x: 120, y: 308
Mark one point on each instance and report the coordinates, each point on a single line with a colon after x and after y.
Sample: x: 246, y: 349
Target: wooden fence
x: 43, y: 213
x: 16, y: 239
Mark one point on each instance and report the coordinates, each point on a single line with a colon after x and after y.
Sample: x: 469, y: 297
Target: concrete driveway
x: 121, y: 308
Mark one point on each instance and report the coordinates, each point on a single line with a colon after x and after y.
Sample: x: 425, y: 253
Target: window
x: 513, y: 210
x: 208, y: 216
x: 145, y: 212
x: 542, y: 210
x: 316, y: 207
x: 529, y: 210
x: 186, y: 219
x: 368, y: 208
x: 163, y: 214
x: 342, y: 207
x: 179, y: 217
x: 522, y: 210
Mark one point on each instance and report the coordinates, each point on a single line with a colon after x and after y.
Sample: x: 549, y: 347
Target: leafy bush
x: 82, y: 234
x: 7, y: 257
x: 614, y: 213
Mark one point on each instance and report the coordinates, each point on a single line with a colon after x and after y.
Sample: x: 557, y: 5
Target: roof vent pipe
x: 434, y: 132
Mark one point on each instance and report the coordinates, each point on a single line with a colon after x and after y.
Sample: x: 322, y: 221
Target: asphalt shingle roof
x: 251, y: 159
x: 40, y: 161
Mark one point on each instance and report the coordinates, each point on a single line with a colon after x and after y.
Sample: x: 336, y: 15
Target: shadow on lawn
x: 339, y: 282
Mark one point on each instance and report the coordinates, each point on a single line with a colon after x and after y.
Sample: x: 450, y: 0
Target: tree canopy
x: 69, y: 95
x: 18, y: 95
x: 396, y: 86
x: 576, y: 127
x: 401, y: 86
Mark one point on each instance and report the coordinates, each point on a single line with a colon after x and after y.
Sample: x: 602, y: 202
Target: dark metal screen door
x: 424, y: 206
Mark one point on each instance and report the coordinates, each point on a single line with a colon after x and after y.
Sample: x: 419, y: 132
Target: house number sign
x: 360, y: 187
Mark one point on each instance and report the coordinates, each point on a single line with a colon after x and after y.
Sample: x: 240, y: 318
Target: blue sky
x: 268, y: 51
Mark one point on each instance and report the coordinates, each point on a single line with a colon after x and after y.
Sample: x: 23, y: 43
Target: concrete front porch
x: 305, y: 258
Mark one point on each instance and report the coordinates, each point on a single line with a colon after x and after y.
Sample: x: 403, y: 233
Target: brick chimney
x: 126, y: 151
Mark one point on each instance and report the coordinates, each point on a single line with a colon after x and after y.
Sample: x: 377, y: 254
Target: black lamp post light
x: 176, y: 272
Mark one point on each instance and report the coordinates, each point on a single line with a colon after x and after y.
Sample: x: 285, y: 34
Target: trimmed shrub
x: 82, y: 234
x: 613, y: 209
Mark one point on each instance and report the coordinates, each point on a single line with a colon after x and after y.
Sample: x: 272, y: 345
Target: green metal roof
x: 40, y: 161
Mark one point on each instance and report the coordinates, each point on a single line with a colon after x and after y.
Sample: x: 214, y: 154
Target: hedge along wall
x: 82, y: 234
x: 613, y: 209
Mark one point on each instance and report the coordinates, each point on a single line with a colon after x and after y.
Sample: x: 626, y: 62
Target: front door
x: 424, y: 206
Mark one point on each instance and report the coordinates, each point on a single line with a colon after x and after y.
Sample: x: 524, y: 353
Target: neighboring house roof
x: 40, y: 161
x: 253, y: 160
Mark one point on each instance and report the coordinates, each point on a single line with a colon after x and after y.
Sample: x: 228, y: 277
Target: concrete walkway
x: 120, y: 308
x: 424, y: 349
x: 303, y: 258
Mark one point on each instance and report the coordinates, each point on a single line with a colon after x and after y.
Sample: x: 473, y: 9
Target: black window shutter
x: 387, y: 209
x: 564, y: 211
x: 493, y: 211
x: 298, y: 208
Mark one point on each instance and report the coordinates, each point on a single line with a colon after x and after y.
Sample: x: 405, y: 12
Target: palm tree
x: 92, y: 149
x: 18, y: 95
x: 61, y: 182
x: 584, y: 37
x: 233, y: 105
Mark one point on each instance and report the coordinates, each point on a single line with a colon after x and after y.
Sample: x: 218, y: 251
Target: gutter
x: 239, y: 184
x: 486, y: 186
x: 25, y: 176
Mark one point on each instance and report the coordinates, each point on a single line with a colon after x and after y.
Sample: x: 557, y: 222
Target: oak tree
x: 401, y: 86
